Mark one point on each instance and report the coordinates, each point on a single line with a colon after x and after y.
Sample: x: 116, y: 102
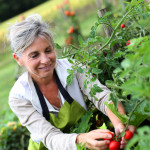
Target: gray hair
x: 22, y: 34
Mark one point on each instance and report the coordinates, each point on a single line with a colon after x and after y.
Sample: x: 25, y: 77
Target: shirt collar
x: 62, y: 73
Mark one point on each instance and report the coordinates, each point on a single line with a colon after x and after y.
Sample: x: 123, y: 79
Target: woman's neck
x: 44, y: 81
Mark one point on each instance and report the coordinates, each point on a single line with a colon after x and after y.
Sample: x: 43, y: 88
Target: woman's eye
x: 48, y: 50
x: 34, y: 55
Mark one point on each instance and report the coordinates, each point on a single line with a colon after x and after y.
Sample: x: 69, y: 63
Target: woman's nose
x: 44, y: 58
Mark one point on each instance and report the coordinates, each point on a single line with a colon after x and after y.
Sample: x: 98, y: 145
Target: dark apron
x: 68, y: 115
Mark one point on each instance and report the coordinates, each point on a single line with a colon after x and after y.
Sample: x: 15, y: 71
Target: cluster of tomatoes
x: 129, y: 42
x: 69, y: 13
x: 69, y: 40
x: 71, y: 30
x: 115, y: 141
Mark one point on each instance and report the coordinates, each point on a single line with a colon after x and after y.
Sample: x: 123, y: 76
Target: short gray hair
x: 22, y: 34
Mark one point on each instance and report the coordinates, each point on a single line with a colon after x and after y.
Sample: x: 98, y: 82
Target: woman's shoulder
x: 63, y: 63
x: 21, y: 87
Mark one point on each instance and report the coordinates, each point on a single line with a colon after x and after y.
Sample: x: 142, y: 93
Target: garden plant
x: 126, y: 72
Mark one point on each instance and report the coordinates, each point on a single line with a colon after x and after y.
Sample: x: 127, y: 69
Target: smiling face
x: 39, y: 59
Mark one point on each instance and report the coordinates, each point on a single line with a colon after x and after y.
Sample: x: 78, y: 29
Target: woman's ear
x: 18, y: 59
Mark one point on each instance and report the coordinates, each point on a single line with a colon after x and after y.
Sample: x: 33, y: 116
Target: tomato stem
x: 137, y: 104
x: 118, y: 25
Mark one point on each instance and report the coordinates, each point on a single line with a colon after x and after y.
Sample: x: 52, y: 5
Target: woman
x: 41, y: 98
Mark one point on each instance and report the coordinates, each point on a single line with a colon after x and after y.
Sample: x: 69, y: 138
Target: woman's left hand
x: 119, y: 129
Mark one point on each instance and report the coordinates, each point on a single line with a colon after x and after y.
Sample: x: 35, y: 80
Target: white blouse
x: 25, y: 103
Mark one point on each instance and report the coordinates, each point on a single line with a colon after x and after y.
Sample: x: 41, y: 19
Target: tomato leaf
x: 96, y: 70
x: 83, y: 126
x: 123, y: 118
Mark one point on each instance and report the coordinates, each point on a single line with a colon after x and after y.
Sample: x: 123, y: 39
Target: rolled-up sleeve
x: 102, y: 96
x: 40, y: 128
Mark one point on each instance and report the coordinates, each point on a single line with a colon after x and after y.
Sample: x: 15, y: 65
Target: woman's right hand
x: 94, y: 139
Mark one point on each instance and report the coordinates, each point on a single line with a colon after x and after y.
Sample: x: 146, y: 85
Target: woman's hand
x: 119, y: 129
x: 94, y: 139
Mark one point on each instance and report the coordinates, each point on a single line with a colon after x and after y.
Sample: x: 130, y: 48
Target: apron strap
x: 45, y: 110
x: 63, y: 91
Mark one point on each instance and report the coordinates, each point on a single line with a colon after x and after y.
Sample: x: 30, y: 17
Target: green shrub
x: 13, y: 136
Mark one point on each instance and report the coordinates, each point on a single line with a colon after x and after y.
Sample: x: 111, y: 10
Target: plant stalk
x: 137, y: 104
x: 118, y: 25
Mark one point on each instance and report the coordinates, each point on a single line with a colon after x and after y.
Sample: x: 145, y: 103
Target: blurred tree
x: 10, y: 8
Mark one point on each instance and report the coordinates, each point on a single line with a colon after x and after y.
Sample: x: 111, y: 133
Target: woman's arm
x: 118, y: 125
x: 102, y: 96
x: 114, y: 119
x: 40, y: 128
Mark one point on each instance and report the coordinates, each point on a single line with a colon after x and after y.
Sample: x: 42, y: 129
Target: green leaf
x: 102, y: 20
x: 70, y: 71
x: 126, y: 64
x: 144, y: 71
x: 81, y: 147
x: 80, y: 40
x: 113, y: 42
x: 80, y: 70
x: 103, y: 126
x: 125, y: 73
x: 96, y: 88
x: 100, y: 39
x: 85, y: 84
x: 117, y: 70
x: 70, y: 79
x: 137, y: 118
x: 71, y: 61
x: 140, y: 114
x: 123, y: 118
x: 119, y: 54
x: 93, y: 79
x: 57, y: 46
x: 96, y: 70
x: 111, y: 84
x: 114, y: 98
x: 92, y: 58
x: 83, y: 126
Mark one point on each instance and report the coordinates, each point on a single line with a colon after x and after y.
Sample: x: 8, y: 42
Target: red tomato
x: 72, y: 13
x: 122, y: 25
x: 129, y: 42
x: 70, y: 30
x: 114, y: 145
x: 128, y: 135
x: 67, y: 13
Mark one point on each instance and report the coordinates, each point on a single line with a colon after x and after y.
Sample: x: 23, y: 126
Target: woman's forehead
x: 38, y: 44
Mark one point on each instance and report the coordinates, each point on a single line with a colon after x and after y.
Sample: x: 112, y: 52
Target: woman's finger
x: 101, y: 130
x: 99, y: 145
x: 132, y: 128
x: 104, y: 135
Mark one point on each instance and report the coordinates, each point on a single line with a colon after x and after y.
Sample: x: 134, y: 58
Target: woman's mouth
x: 45, y: 68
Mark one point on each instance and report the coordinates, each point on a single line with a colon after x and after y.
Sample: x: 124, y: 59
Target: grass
x: 7, y: 67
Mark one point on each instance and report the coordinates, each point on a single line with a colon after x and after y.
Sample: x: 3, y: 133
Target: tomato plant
x: 126, y: 71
